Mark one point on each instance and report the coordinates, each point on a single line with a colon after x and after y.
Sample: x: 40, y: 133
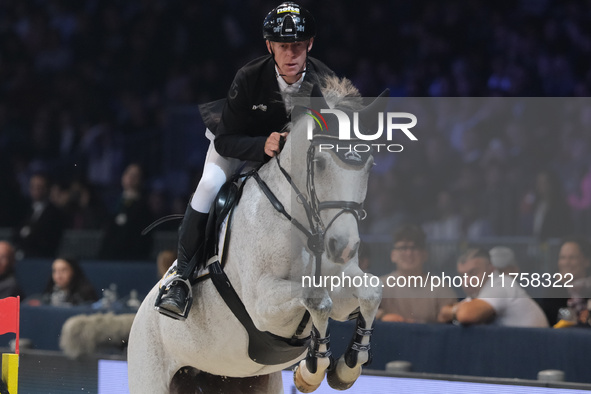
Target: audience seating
x: 33, y: 275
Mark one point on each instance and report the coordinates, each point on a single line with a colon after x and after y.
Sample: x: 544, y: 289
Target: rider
x: 257, y: 108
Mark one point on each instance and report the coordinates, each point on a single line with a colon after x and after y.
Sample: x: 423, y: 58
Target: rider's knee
x: 210, y: 184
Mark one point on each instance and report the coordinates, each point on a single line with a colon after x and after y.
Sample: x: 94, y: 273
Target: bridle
x: 317, y: 229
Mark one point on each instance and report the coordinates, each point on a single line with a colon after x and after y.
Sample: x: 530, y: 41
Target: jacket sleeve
x: 232, y: 137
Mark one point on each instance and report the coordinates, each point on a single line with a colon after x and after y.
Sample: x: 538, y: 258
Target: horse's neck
x: 274, y: 177
x: 292, y: 160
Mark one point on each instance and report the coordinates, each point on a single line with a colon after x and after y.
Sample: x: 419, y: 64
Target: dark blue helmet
x: 289, y: 23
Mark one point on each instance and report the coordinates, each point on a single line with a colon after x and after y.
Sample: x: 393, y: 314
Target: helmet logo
x: 288, y: 9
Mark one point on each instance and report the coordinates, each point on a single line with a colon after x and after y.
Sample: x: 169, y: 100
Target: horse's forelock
x: 339, y: 92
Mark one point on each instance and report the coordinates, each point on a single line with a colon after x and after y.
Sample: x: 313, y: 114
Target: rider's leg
x: 192, y: 229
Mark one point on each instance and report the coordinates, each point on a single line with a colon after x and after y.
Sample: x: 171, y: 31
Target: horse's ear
x: 385, y: 93
x: 367, y: 115
x: 316, y: 92
x: 317, y: 98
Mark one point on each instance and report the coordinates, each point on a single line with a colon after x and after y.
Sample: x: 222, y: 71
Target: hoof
x: 301, y: 384
x: 335, y: 381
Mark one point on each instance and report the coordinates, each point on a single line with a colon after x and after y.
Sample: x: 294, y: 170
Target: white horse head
x: 330, y: 175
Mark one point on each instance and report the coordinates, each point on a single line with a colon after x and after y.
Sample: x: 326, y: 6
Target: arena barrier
x: 498, y: 352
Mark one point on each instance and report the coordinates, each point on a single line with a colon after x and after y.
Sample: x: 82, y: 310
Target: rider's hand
x: 272, y: 145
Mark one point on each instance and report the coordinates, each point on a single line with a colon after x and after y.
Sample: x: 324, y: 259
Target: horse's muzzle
x: 342, y: 249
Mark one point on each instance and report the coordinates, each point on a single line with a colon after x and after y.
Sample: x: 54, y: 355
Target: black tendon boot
x: 191, y: 240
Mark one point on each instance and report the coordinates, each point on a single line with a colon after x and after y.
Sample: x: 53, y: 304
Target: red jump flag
x: 9, y: 317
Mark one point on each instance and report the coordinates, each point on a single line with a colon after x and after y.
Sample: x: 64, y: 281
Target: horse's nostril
x: 355, y: 249
x: 332, y: 246
x: 352, y: 253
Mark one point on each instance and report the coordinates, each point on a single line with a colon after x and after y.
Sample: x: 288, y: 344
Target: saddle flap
x: 225, y: 200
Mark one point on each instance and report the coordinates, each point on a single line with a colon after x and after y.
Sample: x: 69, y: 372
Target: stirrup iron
x: 164, y: 288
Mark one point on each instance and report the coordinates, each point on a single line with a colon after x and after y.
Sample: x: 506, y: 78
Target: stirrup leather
x: 165, y: 287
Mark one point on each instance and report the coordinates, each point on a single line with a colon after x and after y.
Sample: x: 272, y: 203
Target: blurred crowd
x: 87, y: 87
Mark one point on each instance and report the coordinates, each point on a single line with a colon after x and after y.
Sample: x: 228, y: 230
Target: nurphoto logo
x: 349, y: 130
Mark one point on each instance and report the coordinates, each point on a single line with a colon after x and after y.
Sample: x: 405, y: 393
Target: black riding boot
x: 190, y: 246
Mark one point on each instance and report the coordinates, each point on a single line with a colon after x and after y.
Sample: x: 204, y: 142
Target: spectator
x: 580, y: 201
x: 68, y: 285
x: 41, y: 232
x: 164, y: 260
x: 490, y: 304
x: 545, y: 210
x: 86, y: 211
x: 448, y: 223
x: 11, y: 200
x: 9, y: 286
x: 411, y: 303
x: 503, y: 259
x: 123, y: 239
x: 574, y: 259
x: 79, y: 205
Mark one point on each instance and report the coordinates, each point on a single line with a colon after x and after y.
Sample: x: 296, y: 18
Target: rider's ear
x: 269, y: 47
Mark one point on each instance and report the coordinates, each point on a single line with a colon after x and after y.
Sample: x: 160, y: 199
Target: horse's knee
x: 370, y: 296
x: 321, y: 307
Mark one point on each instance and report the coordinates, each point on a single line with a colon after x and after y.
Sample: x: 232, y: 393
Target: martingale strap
x: 278, y: 205
x: 263, y: 347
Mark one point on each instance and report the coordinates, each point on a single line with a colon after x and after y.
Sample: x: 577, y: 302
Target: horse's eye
x: 320, y: 163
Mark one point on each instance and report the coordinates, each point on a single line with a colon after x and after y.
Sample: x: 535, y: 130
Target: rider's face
x: 290, y: 57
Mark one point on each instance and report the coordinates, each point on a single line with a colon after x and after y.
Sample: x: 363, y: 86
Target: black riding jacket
x: 254, y: 108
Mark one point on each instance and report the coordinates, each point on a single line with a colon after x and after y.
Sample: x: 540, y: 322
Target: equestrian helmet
x: 289, y: 22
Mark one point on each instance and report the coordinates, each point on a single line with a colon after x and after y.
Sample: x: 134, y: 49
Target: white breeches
x: 216, y: 171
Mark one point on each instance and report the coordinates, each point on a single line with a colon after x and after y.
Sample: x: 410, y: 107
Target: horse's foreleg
x: 348, y: 367
x: 149, y: 369
x: 309, y: 374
